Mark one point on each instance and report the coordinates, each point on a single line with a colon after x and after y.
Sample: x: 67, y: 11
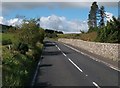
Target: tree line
x: 106, y: 31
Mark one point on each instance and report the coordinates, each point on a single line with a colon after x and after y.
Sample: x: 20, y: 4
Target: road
x: 62, y: 66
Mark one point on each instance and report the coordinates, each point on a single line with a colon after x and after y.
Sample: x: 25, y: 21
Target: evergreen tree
x: 102, y: 16
x: 92, y: 17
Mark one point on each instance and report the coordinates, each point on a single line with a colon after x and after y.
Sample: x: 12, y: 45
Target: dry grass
x: 88, y: 36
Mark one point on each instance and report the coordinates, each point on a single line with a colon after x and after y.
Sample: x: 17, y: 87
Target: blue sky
x: 69, y: 13
x: 70, y: 10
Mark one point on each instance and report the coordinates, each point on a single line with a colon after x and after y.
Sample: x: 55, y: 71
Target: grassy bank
x: 18, y: 68
x: 21, y: 50
x: 83, y: 36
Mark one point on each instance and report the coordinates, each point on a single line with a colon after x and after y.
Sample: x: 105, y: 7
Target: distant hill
x: 4, y: 28
x: 53, y: 31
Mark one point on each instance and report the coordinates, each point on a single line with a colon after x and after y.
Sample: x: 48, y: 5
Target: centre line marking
x: 57, y: 47
x: 70, y: 60
x: 64, y: 54
x: 96, y: 85
x: 75, y: 65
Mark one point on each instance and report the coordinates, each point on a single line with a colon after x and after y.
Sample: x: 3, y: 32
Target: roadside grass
x: 88, y: 36
x: 52, y: 39
x: 91, y: 36
x: 74, y: 36
x: 18, y: 69
x: 9, y: 36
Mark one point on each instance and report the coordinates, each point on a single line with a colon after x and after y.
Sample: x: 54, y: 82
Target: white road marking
x: 70, y: 60
x: 109, y: 65
x: 75, y: 65
x: 58, y: 47
x: 33, y: 81
x: 96, y: 84
x: 72, y: 48
x: 86, y: 75
x: 64, y: 54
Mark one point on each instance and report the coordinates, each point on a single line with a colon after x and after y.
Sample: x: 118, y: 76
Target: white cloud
x: 109, y: 16
x: 61, y: 23
x: 53, y: 22
x: 13, y: 22
x: 1, y: 20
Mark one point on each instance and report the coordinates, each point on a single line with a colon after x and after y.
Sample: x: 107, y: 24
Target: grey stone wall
x: 108, y: 50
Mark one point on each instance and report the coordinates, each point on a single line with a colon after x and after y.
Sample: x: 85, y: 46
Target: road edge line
x: 36, y: 72
x: 93, y: 58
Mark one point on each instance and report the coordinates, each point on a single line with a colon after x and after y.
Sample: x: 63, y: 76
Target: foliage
x: 110, y: 33
x: 92, y: 17
x: 93, y: 29
x: 16, y: 68
x: 31, y: 33
x: 49, y: 35
x: 101, y: 13
x: 53, y: 31
x: 74, y: 36
x: 90, y: 36
x: 4, y: 28
x: 13, y: 37
x: 23, y: 48
x: 6, y: 42
x: 20, y: 59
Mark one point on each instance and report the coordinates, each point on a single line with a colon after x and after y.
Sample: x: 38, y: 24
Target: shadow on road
x: 47, y: 53
x: 43, y: 85
x: 48, y: 44
x: 45, y: 65
x: 51, y: 53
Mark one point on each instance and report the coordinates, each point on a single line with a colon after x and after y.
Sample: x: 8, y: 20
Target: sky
x: 63, y: 16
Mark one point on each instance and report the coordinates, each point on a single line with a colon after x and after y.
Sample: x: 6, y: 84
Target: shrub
x: 16, y: 68
x: 23, y: 48
x: 93, y: 29
x: 109, y: 33
x: 6, y: 42
x: 18, y: 62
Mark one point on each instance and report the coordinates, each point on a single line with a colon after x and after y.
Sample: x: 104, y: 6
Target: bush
x: 16, y: 68
x: 23, y: 48
x: 18, y: 62
x: 6, y: 42
x: 95, y: 29
x: 109, y: 33
x: 37, y: 51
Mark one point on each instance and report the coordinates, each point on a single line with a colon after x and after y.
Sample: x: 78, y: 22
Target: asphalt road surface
x: 62, y: 66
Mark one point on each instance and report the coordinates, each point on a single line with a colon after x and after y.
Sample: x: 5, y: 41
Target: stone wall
x: 107, y: 50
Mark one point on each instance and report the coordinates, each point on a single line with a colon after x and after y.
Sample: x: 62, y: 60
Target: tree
x: 92, y: 17
x: 31, y: 33
x: 110, y: 32
x: 102, y: 16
